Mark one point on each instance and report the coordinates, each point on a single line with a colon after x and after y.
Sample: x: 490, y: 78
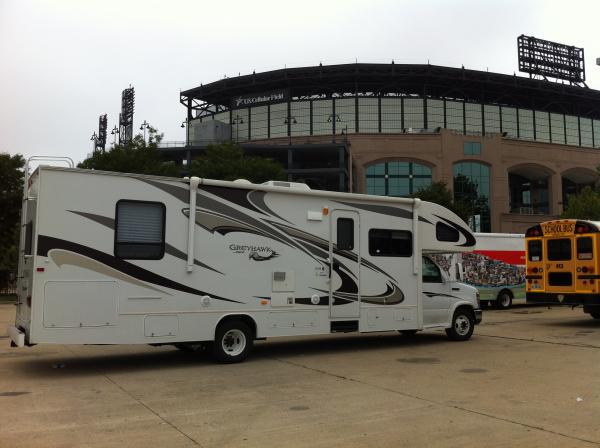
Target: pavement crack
x: 439, y: 403
x: 141, y: 403
x: 566, y: 344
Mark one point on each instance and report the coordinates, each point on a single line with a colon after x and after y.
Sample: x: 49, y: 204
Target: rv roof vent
x: 242, y: 181
x: 293, y: 185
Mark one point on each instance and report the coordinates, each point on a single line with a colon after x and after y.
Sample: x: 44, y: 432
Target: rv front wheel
x: 463, y: 325
x: 233, y: 342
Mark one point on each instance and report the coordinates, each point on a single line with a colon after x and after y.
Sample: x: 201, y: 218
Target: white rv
x: 113, y: 258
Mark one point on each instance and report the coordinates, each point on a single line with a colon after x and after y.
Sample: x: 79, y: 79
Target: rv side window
x: 345, y: 234
x: 534, y: 249
x: 140, y: 230
x: 443, y: 232
x: 390, y: 243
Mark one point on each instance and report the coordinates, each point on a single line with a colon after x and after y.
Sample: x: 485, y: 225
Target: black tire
x: 233, y: 342
x: 463, y: 324
x: 504, y: 301
x: 595, y: 315
x: 407, y: 332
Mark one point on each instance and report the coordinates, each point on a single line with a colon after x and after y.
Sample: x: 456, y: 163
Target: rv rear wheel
x: 463, y: 325
x: 504, y: 300
x: 233, y: 342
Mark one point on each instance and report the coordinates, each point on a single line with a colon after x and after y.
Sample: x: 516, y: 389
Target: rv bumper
x: 16, y: 336
x: 478, y: 316
x: 565, y: 299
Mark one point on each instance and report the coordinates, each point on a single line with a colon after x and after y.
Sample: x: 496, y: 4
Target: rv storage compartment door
x: 80, y: 304
x: 283, y: 288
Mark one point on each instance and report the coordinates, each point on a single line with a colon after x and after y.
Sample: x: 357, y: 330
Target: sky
x: 65, y: 62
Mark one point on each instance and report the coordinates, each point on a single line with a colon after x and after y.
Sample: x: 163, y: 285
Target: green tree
x: 136, y: 156
x: 227, y: 161
x: 465, y: 201
x: 584, y: 205
x: 11, y: 187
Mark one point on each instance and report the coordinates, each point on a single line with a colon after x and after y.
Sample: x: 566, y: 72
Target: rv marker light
x: 40, y: 269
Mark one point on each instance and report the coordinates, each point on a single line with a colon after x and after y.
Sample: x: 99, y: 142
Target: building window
x: 528, y: 192
x: 391, y: 115
x: 472, y: 148
x: 454, y: 116
x: 259, y: 125
x: 472, y: 186
x: 473, y: 118
x: 397, y: 178
x: 413, y: 113
x: 140, y: 230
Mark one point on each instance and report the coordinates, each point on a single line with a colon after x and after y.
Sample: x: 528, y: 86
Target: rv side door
x: 344, y: 264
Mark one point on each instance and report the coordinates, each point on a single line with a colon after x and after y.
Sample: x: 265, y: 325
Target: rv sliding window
x: 390, y: 243
x: 140, y: 230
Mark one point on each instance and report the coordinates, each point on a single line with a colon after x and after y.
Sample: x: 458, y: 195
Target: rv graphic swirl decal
x: 47, y: 243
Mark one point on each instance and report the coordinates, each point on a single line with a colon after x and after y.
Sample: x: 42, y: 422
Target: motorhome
x: 495, y: 266
x: 114, y: 258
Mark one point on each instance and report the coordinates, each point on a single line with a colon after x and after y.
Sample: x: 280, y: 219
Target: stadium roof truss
x: 374, y: 80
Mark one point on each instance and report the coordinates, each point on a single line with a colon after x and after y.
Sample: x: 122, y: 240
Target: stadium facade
x: 390, y: 129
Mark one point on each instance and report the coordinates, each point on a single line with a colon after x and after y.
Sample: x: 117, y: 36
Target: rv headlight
x: 477, y: 297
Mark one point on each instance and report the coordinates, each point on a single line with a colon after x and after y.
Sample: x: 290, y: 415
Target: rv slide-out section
x: 116, y: 258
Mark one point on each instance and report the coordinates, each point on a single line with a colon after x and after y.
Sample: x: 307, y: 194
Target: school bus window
x: 559, y: 249
x: 534, y: 248
x: 584, y: 248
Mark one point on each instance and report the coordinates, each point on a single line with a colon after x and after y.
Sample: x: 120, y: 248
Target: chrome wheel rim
x: 504, y: 301
x: 462, y: 325
x: 233, y: 342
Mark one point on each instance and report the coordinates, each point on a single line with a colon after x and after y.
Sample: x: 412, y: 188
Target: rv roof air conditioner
x: 293, y: 185
x: 242, y: 181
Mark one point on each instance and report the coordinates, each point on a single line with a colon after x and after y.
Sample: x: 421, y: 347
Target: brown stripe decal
x: 47, y: 243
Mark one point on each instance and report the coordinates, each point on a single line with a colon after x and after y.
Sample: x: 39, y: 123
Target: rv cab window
x: 140, y: 230
x: 431, y: 272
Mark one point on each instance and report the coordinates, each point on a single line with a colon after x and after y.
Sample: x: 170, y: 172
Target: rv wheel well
x: 239, y: 318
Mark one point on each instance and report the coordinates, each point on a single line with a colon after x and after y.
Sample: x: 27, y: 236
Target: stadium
x: 390, y: 129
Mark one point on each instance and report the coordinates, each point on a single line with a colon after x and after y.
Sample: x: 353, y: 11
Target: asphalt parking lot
x: 530, y: 376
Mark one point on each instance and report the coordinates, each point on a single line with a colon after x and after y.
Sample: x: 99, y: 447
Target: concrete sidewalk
x: 529, y: 377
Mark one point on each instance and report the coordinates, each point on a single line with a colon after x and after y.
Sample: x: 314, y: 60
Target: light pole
x: 237, y: 121
x: 143, y: 127
x: 185, y: 124
x: 95, y: 140
x: 290, y: 120
x: 114, y: 133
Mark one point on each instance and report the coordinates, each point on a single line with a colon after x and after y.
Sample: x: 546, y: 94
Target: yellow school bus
x: 562, y: 264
